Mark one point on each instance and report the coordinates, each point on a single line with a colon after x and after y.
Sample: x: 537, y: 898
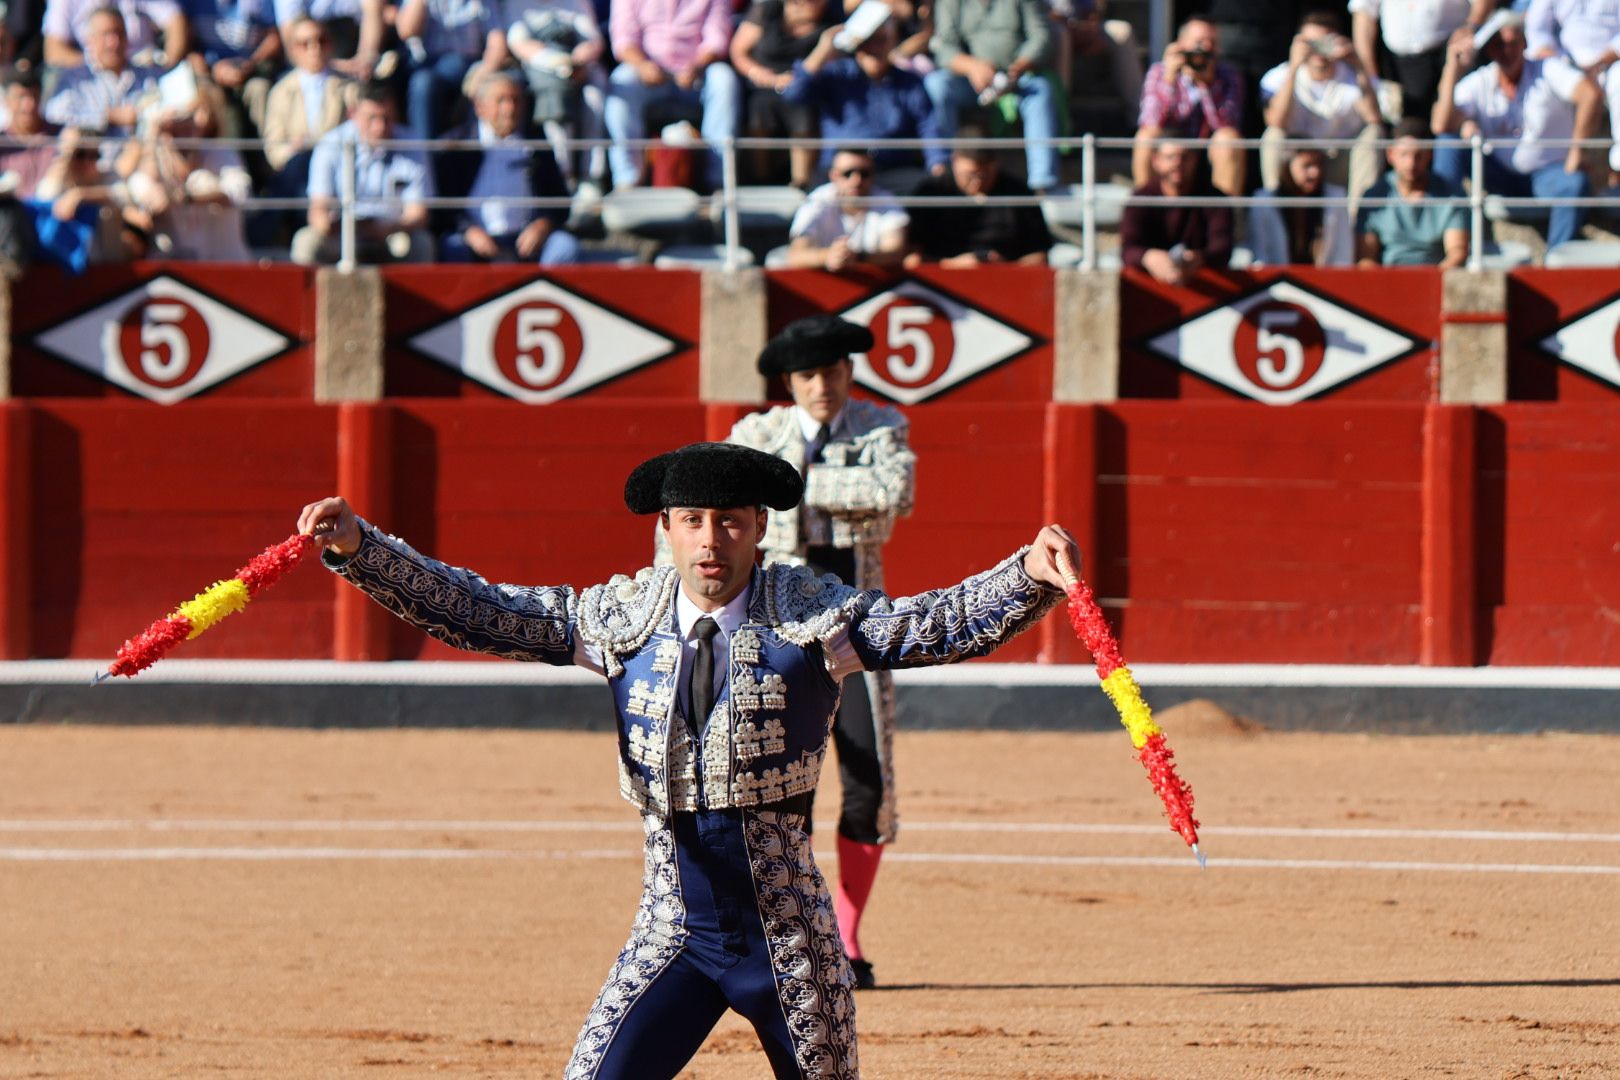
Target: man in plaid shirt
x: 1190, y: 94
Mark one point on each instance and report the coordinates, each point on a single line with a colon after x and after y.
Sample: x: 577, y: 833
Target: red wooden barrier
x: 1562, y: 333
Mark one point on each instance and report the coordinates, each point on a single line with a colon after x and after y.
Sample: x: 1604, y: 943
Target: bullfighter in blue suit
x: 725, y: 678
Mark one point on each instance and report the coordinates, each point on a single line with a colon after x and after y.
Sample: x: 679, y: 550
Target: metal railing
x: 725, y: 205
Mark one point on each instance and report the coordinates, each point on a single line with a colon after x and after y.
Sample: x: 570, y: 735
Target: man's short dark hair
x: 1324, y: 18
x: 27, y: 78
x: 968, y: 144
x: 858, y: 151
x: 377, y: 92
x: 106, y: 9
x: 1413, y: 127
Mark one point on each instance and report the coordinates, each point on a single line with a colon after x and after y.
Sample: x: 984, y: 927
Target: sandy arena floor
x: 192, y: 902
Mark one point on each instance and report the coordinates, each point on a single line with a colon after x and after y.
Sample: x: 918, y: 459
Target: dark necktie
x: 702, y: 692
x: 818, y: 444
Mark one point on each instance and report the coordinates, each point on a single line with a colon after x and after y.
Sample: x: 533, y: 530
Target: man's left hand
x: 1053, y: 552
x: 533, y: 237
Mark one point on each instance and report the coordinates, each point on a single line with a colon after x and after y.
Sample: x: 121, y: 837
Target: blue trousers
x: 1452, y: 159
x: 733, y: 915
x: 627, y: 101
x: 1037, y: 108
x: 430, y: 90
x: 560, y: 249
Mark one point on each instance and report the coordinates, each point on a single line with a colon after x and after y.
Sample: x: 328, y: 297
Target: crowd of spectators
x: 104, y: 101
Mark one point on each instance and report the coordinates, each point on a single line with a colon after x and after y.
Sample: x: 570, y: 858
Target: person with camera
x: 1190, y: 94
x: 1173, y: 242
x: 1322, y: 91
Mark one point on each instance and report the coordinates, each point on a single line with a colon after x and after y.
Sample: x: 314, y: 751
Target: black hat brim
x: 712, y: 476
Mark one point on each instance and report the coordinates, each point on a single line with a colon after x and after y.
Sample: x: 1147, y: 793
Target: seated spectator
x: 774, y: 36
x: 390, y: 187
x: 1172, y: 242
x: 913, y: 29
x: 1190, y: 94
x: 31, y: 142
x: 86, y: 223
x: 1301, y: 235
x: 828, y: 234
x: 68, y: 31
x: 669, y: 51
x: 1088, y: 39
x: 960, y: 236
x: 188, y: 198
x: 989, y: 48
x: 305, y: 104
x: 1414, y: 33
x: 1415, y: 231
x: 238, y: 49
x: 1322, y: 92
x: 1518, y: 105
x: 866, y: 97
x: 1587, y: 36
x: 105, y: 93
x: 559, y: 45
x: 444, y: 39
x: 491, y: 230
x: 355, y: 28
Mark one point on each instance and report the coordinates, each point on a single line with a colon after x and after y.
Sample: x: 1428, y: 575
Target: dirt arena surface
x: 185, y: 902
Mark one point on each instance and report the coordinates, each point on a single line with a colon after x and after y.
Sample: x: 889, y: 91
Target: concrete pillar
x: 732, y: 329
x: 1085, y: 346
x: 1473, y: 337
x: 348, y: 335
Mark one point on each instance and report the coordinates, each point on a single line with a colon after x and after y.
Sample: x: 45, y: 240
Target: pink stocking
x: 857, y: 868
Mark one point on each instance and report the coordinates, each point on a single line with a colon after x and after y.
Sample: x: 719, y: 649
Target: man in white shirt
x: 1587, y: 34
x: 1415, y: 32
x: 1520, y: 105
x: 829, y: 234
x: 105, y: 94
x: 1322, y: 91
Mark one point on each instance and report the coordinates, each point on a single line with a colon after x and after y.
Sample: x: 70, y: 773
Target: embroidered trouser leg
x: 734, y: 914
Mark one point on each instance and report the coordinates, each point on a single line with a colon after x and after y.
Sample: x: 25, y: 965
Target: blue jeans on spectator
x: 1037, y: 107
x: 560, y: 249
x: 431, y: 87
x: 625, y: 116
x: 1452, y: 160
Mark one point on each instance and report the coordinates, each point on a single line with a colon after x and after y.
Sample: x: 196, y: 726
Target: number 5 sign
x: 540, y: 343
x: 1281, y: 345
x: 162, y: 340
x: 925, y: 342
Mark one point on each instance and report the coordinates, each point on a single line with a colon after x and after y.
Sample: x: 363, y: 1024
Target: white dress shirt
x: 1539, y: 112
x: 1410, y: 27
x: 1581, y: 29
x: 1322, y: 109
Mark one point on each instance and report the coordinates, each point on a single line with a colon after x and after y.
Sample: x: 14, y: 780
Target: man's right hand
x: 1164, y: 269
x: 343, y: 538
x: 650, y: 73
x: 480, y: 242
x: 1299, y: 51
x: 839, y: 255
x: 981, y: 73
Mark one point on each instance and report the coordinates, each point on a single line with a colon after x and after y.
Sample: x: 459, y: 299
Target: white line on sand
x: 251, y: 854
x: 361, y: 825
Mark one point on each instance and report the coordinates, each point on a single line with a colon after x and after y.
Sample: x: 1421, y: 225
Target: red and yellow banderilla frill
x: 209, y: 606
x: 1120, y: 686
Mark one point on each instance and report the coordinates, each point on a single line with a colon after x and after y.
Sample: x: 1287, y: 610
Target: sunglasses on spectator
x: 854, y: 170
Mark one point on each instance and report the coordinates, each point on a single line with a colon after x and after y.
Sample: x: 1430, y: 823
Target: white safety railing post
x: 346, y: 252
x: 1088, y: 202
x: 728, y: 183
x: 1476, y: 202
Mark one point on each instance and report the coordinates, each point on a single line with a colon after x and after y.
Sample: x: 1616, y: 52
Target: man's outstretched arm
x: 967, y: 620
x: 456, y: 606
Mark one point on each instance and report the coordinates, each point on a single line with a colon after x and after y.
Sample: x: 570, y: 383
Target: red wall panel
x: 1233, y: 534
x: 1541, y: 303
x: 136, y: 509
x: 1550, y: 533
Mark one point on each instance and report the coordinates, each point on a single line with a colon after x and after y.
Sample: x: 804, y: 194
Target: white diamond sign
x: 1281, y: 345
x: 927, y: 342
x: 540, y: 343
x: 162, y: 340
x: 1590, y: 343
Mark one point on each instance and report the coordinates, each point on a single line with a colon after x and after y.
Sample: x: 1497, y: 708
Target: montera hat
x: 712, y: 476
x: 813, y: 342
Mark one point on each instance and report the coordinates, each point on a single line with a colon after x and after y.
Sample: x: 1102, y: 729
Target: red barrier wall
x: 1365, y: 523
